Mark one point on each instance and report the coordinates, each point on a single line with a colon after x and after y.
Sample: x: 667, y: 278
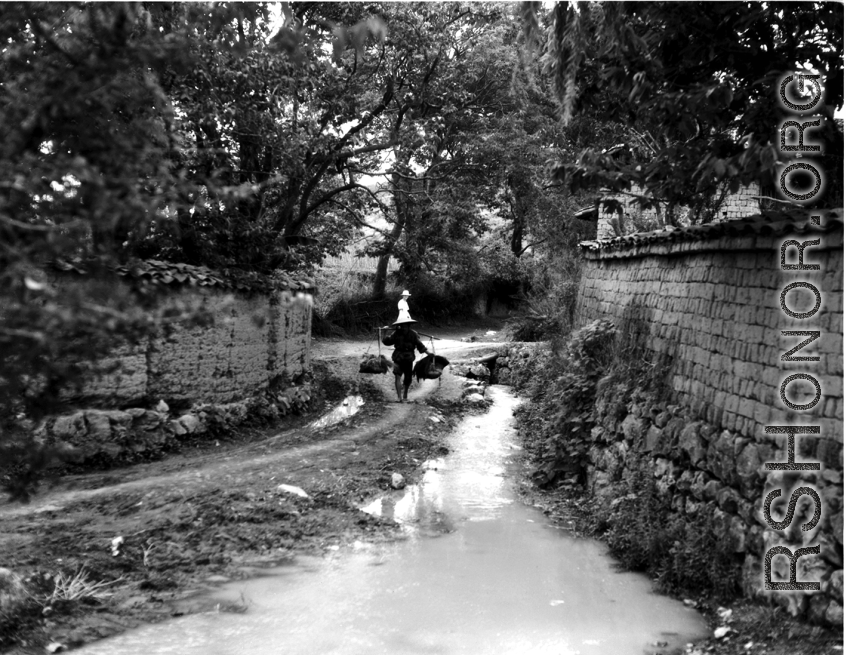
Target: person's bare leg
x: 398, y: 386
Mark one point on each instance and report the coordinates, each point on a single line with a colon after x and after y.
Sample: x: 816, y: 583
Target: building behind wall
x: 632, y: 219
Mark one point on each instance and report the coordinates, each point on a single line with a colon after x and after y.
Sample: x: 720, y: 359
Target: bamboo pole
x: 423, y: 334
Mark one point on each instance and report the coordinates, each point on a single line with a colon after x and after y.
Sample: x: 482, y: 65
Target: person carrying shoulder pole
x: 405, y: 340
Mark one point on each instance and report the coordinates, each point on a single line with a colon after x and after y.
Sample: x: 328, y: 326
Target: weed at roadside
x: 68, y: 587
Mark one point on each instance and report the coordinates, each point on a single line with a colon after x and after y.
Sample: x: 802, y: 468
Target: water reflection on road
x: 348, y: 407
x: 481, y: 573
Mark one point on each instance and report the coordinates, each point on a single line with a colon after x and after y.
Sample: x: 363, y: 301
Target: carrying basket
x: 375, y: 364
x: 430, y: 367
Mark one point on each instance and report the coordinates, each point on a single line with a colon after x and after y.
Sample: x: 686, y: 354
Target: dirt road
x: 216, y: 512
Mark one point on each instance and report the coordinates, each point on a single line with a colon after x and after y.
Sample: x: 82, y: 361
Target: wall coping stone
x: 750, y: 233
x: 173, y: 275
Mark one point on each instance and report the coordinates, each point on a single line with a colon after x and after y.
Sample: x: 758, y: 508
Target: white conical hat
x: 404, y: 317
x: 405, y: 293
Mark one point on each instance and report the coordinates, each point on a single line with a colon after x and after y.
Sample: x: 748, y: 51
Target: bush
x: 683, y: 553
x: 605, y: 368
x: 19, y: 610
x: 596, y: 358
x: 561, y: 415
x: 553, y: 285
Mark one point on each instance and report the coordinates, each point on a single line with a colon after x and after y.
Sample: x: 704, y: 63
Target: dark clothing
x: 404, y: 352
x: 404, y: 345
x: 405, y: 369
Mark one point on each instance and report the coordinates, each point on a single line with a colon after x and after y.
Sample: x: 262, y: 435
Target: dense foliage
x: 695, y: 85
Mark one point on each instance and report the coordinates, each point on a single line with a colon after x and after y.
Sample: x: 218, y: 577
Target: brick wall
x: 633, y: 219
x: 256, y: 338
x: 740, y: 204
x: 712, y: 305
x: 706, y: 302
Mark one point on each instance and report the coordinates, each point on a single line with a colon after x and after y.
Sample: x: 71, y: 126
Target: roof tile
x: 765, y: 224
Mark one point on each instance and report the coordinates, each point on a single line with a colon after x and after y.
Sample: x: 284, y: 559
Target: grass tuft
x: 76, y: 587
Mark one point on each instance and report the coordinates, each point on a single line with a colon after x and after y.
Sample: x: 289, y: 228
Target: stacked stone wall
x: 708, y: 309
x: 714, y: 308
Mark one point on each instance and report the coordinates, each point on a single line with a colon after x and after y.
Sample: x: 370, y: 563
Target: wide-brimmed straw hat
x: 405, y: 293
x: 404, y: 318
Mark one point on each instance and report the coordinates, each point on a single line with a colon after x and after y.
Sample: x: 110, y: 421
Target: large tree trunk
x: 518, y: 206
x: 401, y: 208
x: 517, y: 237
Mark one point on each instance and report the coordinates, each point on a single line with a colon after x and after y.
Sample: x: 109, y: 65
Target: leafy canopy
x: 696, y: 83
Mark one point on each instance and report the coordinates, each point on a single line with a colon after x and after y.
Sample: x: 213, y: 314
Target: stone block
x: 99, y: 427
x: 692, y: 444
x: 633, y: 428
x: 146, y: 420
x: 721, y: 457
x: 829, y: 453
x: 710, y: 489
x: 835, y: 585
x: 834, y: 614
x: 749, y: 466
x: 70, y: 427
x: 728, y: 500
x: 737, y: 535
x: 653, y: 439
x: 189, y: 422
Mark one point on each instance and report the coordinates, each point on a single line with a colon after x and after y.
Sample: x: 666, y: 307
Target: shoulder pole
x: 423, y: 334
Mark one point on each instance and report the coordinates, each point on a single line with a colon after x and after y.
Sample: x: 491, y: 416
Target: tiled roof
x: 767, y: 224
x: 170, y: 274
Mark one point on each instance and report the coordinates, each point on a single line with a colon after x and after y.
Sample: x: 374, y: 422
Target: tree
x: 102, y: 105
x: 484, y: 142
x: 265, y: 128
x: 696, y: 82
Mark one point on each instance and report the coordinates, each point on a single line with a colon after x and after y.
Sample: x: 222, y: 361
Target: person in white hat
x: 405, y: 340
x: 402, y: 305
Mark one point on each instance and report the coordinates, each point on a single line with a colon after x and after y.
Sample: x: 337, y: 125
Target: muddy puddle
x: 348, y: 407
x: 480, y: 573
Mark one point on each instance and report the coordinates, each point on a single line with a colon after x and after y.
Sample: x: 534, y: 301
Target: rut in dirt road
x: 210, y: 469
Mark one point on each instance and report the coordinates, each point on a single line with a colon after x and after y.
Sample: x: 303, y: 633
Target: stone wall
x: 705, y: 302
x: 710, y: 299
x: 257, y: 338
x: 110, y: 436
x: 196, y: 378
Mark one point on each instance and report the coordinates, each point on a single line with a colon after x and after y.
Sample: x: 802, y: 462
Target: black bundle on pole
x: 378, y: 363
x: 430, y: 367
x: 375, y: 364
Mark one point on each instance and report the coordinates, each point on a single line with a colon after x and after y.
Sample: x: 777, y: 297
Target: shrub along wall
x: 669, y: 437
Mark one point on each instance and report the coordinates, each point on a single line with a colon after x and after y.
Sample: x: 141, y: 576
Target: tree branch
x: 356, y: 217
x: 529, y: 245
